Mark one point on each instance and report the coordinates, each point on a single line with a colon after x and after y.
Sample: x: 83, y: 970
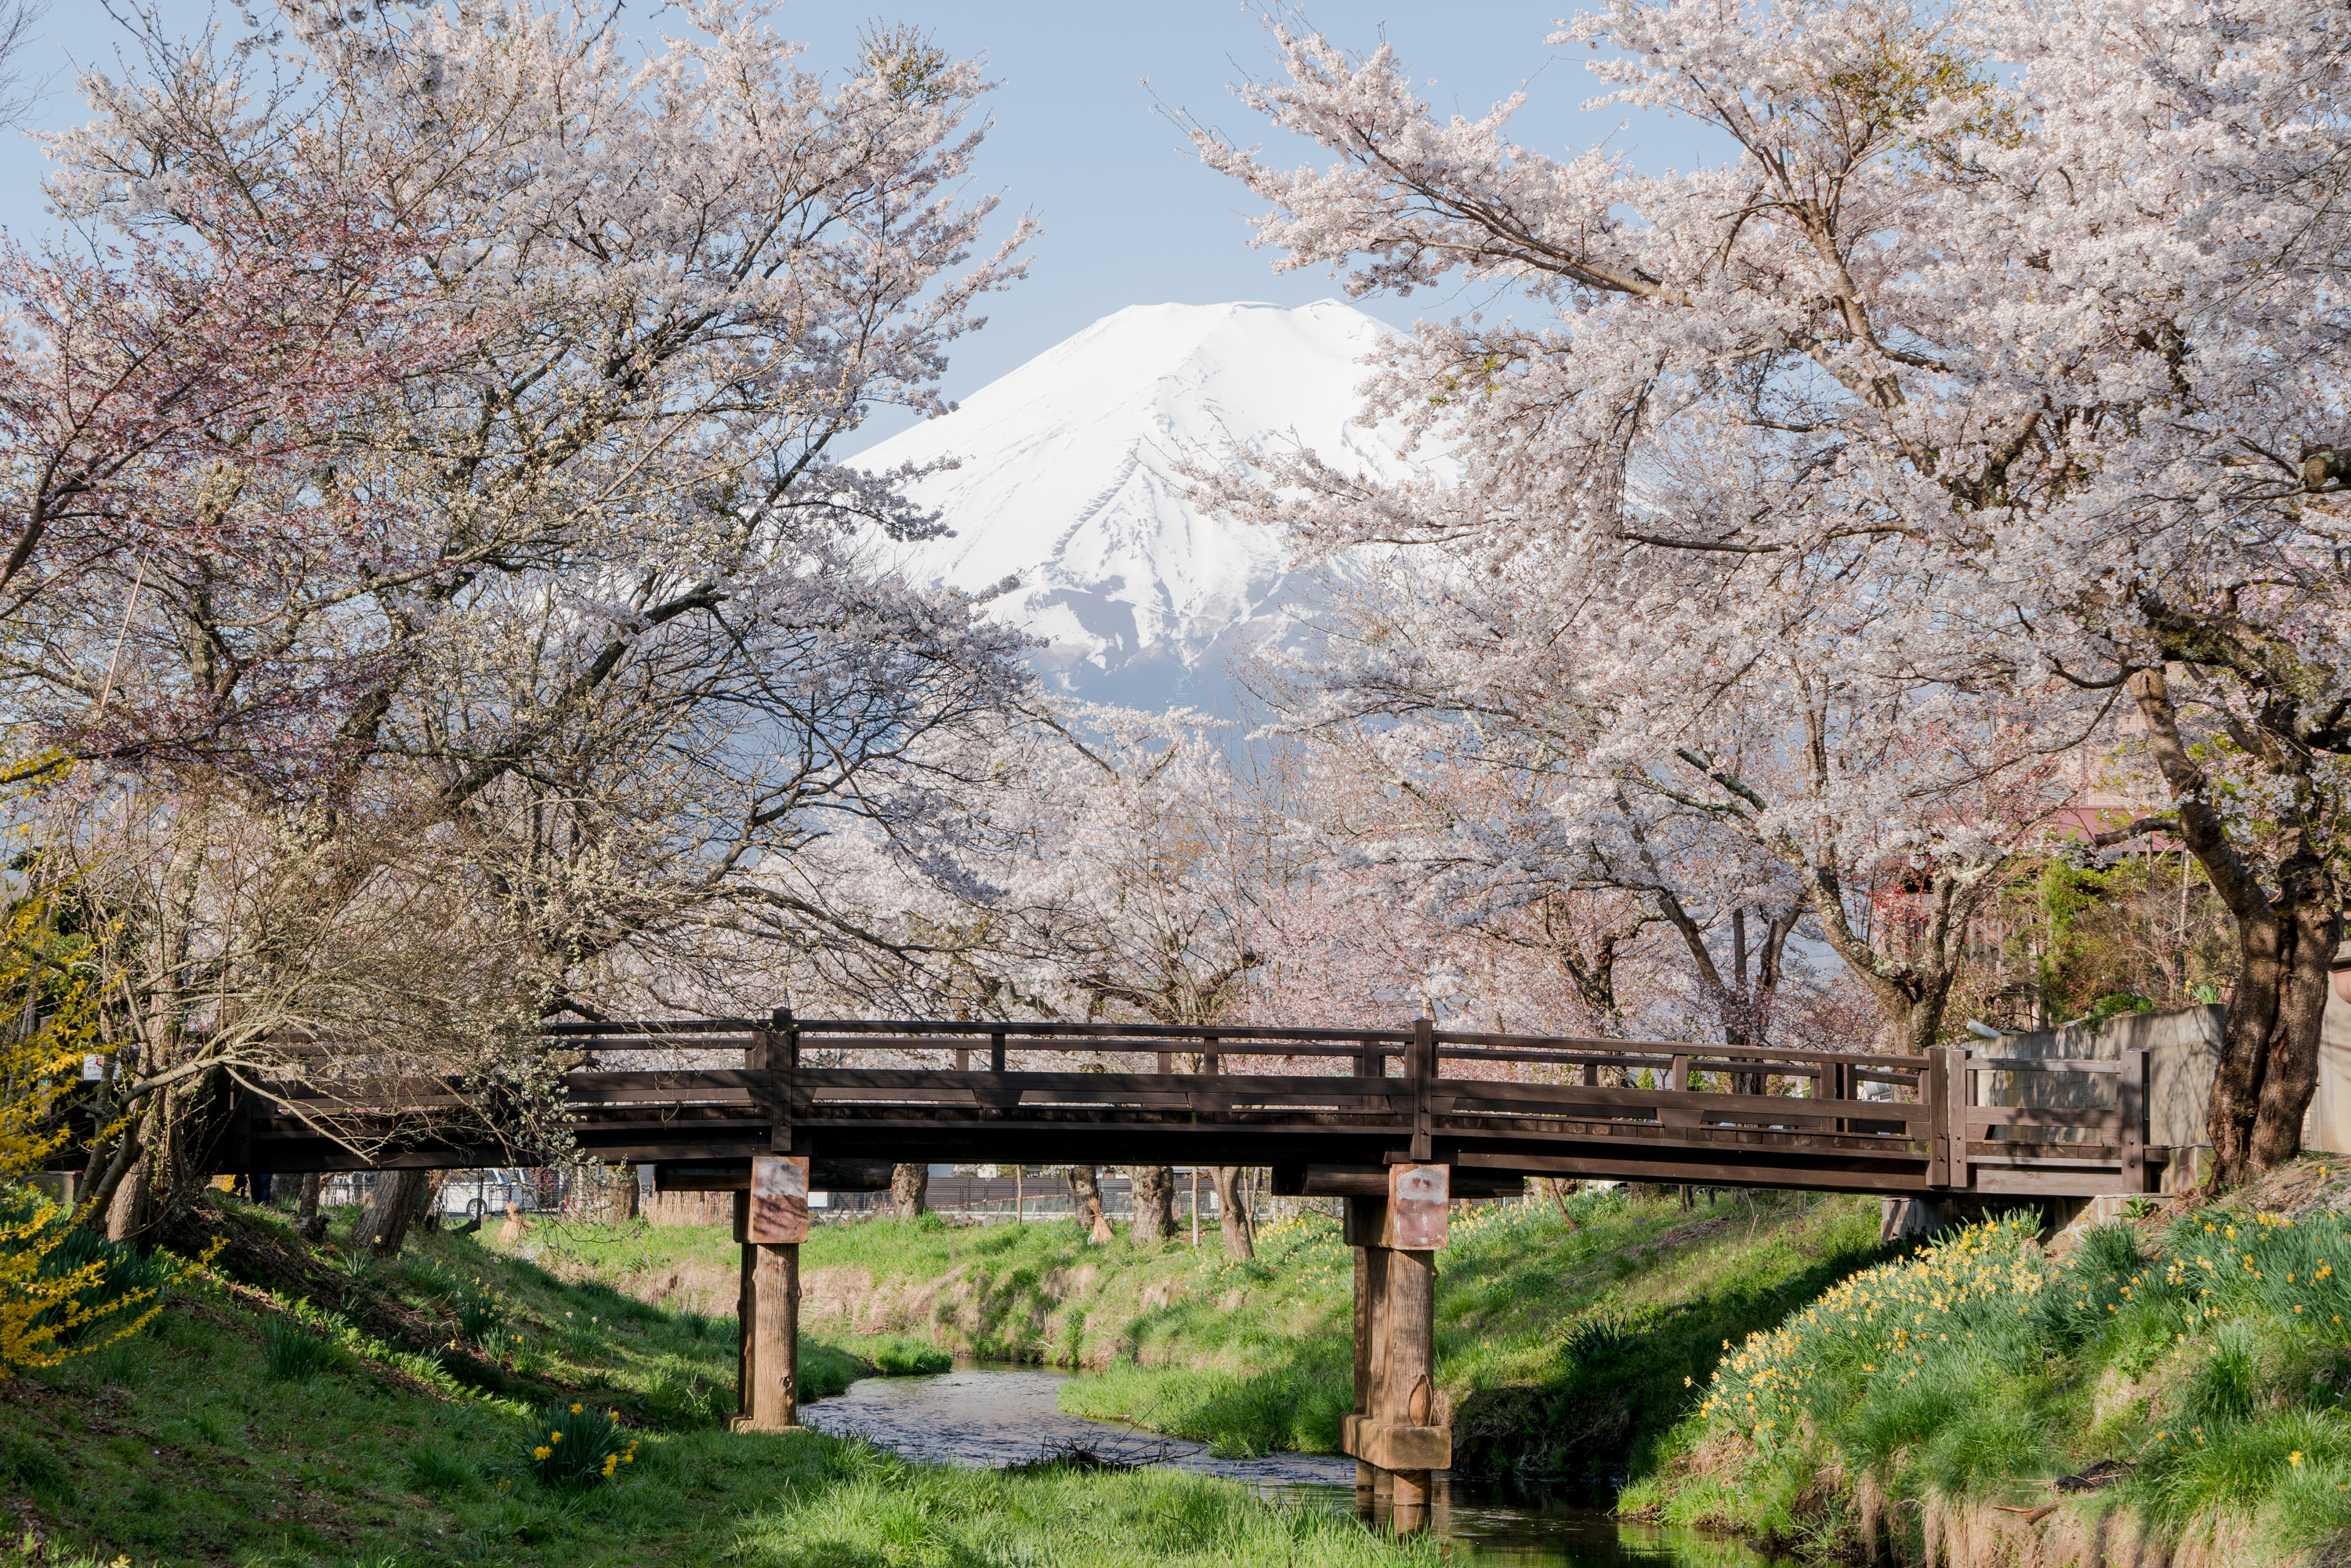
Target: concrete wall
x: 2182, y: 1046
x: 2328, y: 1124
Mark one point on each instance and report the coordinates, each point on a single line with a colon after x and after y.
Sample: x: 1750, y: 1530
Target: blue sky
x: 1081, y: 139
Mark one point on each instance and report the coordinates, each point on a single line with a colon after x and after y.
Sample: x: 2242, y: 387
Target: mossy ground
x: 1563, y: 1339
x: 412, y: 1445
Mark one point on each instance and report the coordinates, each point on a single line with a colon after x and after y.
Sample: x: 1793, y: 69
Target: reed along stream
x: 988, y: 1415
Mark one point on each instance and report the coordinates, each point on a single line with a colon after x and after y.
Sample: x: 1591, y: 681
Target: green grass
x: 2209, y: 1358
x: 411, y: 1442
x: 898, y: 1355
x: 1562, y: 1343
x: 292, y: 1352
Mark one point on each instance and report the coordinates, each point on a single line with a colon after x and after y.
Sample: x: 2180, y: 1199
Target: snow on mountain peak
x: 1067, y: 482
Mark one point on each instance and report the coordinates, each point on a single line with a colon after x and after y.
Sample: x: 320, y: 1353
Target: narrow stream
x: 986, y: 1415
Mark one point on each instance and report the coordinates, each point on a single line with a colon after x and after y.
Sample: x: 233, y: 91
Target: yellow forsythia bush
x: 50, y: 1017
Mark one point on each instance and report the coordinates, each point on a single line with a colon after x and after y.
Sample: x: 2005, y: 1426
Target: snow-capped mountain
x: 1067, y: 483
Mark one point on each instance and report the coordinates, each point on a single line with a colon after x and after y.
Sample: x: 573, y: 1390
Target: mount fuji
x: 1067, y: 481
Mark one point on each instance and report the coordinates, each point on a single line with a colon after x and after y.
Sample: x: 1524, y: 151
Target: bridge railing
x: 2026, y: 1124
x: 1431, y: 1086
x: 723, y: 1088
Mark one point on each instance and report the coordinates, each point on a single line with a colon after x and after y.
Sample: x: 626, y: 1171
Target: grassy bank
x: 2180, y: 1378
x: 1564, y: 1340
x: 289, y: 1408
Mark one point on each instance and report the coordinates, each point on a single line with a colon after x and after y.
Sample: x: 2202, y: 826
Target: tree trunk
x: 313, y: 1223
x: 910, y: 1191
x: 425, y: 1210
x: 392, y: 1207
x: 123, y: 1169
x: 2268, y: 1069
x: 1154, y: 1203
x: 173, y: 1179
x: 620, y: 1194
x: 126, y: 1210
x: 1087, y: 1191
x: 1230, y: 1219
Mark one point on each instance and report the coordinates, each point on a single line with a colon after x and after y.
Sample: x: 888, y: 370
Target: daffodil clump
x: 2214, y: 1367
x: 576, y: 1446
x: 1881, y: 1328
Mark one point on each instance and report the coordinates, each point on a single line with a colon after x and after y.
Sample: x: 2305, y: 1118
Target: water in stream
x: 984, y: 1415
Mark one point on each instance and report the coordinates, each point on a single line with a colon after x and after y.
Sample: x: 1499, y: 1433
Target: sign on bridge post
x: 779, y: 1201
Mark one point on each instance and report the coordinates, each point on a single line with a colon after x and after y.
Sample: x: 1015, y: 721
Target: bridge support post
x: 1393, y: 1433
x: 767, y: 1394
x: 770, y: 1221
x: 1411, y: 1375
x: 1364, y: 1218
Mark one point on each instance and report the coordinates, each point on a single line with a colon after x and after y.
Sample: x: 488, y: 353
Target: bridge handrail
x: 1053, y: 1030
x: 1809, y: 1066
x: 650, y: 1028
x: 1670, y: 1048
x: 1039, y: 1034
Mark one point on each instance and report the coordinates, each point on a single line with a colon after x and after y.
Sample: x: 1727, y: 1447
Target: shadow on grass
x: 1620, y: 1388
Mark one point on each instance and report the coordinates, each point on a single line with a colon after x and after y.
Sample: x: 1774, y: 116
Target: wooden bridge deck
x: 1328, y: 1110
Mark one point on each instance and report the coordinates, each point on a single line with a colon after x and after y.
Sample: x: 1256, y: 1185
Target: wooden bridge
x: 1396, y: 1122
x: 1326, y: 1110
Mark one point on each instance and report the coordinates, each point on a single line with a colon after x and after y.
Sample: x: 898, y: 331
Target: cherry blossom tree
x: 2010, y: 334
x: 1535, y: 769
x: 1371, y: 915
x: 166, y: 406
x: 499, y: 551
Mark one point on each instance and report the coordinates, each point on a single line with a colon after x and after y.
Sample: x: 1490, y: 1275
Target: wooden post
x: 1362, y: 1221
x: 757, y: 1058
x: 1676, y: 1114
x: 2130, y: 1097
x: 1423, y: 1065
x: 770, y: 1222
x: 770, y: 1399
x: 1959, y: 1094
x: 1378, y: 1323
x: 996, y: 1051
x: 1392, y: 1431
x: 773, y: 1053
x: 1411, y: 1380
x: 745, y: 1312
x: 1934, y: 1093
